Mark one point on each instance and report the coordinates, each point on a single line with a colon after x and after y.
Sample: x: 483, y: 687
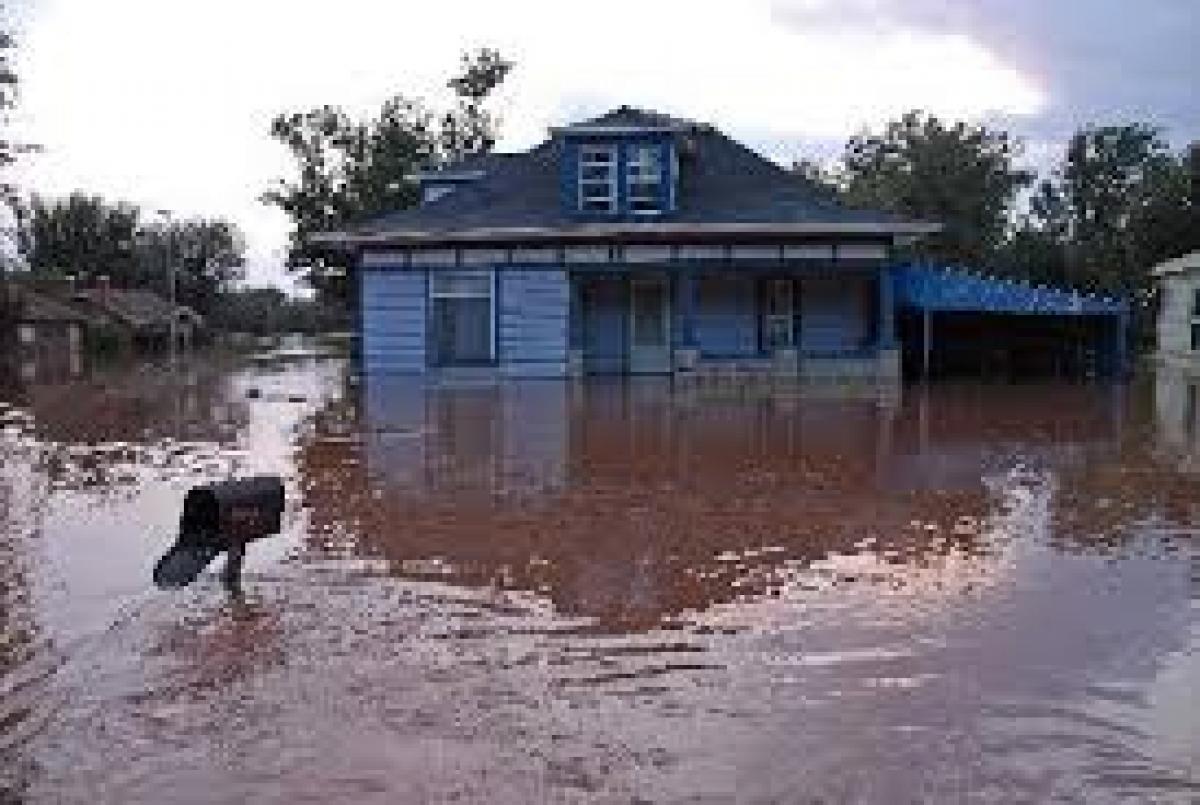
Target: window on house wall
x: 644, y: 179
x: 779, y: 315
x: 598, y: 178
x: 461, y: 317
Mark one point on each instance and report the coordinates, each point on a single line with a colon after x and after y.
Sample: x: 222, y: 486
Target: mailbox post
x: 221, y: 518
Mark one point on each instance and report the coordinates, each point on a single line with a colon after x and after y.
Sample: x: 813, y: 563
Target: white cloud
x: 168, y: 104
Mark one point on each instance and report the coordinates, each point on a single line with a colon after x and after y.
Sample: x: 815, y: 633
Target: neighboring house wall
x: 1179, y: 319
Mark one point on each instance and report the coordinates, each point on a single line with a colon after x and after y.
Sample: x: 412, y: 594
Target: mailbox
x: 217, y: 518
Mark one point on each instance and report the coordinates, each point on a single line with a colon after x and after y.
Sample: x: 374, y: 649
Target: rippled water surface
x: 601, y: 592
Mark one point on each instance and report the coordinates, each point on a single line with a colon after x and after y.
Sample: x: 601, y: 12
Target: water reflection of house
x: 1177, y: 410
x: 630, y: 501
x: 96, y: 428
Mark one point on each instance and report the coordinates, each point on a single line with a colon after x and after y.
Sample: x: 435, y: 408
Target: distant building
x: 1179, y: 312
x: 49, y: 316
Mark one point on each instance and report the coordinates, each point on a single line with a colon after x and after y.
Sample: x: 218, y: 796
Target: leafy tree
x: 88, y: 237
x: 81, y: 235
x: 1120, y: 202
x: 266, y: 311
x: 960, y: 175
x: 207, y: 255
x: 350, y: 170
x: 470, y: 128
x: 825, y: 180
x: 10, y: 150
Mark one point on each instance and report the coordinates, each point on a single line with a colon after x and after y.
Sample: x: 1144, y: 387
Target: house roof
x: 631, y: 118
x: 723, y: 187
x: 137, y: 308
x: 39, y: 307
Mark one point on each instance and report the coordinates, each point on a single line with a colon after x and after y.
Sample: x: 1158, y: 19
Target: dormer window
x: 598, y: 178
x: 644, y: 179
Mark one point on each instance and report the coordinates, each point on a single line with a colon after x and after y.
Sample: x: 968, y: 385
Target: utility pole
x: 170, y: 233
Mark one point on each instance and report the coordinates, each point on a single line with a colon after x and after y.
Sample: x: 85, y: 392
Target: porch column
x: 575, y: 313
x: 686, y: 352
x: 685, y: 302
x: 885, y: 333
x: 926, y: 342
x: 886, y: 348
x: 574, y: 326
x: 1120, y: 367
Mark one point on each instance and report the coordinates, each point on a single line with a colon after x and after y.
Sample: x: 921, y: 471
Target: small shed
x: 1179, y: 312
x: 954, y: 321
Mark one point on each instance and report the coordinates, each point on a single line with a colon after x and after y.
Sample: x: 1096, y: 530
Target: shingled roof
x: 722, y: 184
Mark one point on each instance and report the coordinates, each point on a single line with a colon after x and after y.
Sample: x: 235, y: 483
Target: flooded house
x: 636, y: 243
x: 56, y: 317
x: 632, y: 243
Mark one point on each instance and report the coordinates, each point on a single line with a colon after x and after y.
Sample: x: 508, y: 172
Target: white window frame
x: 483, y: 276
x: 781, y: 311
x: 640, y: 171
x: 588, y: 154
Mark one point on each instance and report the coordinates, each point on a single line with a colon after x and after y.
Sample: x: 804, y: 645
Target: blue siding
x: 394, y: 317
x: 726, y: 317
x: 835, y: 315
x: 533, y: 309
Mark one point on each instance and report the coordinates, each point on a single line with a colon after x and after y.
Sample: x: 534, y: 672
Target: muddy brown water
x: 601, y: 592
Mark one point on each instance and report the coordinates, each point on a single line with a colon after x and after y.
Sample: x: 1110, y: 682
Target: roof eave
x: 594, y: 231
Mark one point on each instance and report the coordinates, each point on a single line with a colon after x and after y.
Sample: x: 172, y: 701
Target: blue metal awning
x: 956, y: 289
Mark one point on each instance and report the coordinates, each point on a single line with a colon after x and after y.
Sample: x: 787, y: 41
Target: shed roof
x: 39, y: 307
x: 1180, y: 265
x: 137, y: 308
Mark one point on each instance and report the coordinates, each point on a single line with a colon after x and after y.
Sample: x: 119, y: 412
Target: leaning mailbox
x: 221, y: 517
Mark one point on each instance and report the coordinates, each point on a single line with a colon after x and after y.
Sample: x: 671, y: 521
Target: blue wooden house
x: 632, y: 243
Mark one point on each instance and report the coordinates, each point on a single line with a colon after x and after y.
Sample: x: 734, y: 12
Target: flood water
x: 601, y: 592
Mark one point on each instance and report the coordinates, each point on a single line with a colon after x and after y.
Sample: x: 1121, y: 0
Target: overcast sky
x: 167, y: 103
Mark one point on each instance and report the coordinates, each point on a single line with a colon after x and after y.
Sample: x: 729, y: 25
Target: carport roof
x: 956, y: 289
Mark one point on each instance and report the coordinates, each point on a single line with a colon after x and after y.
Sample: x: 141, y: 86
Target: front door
x: 650, y: 326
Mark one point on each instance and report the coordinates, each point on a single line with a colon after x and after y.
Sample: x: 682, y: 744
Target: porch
x: 732, y: 324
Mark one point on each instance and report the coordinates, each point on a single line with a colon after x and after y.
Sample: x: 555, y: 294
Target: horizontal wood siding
x: 394, y: 315
x: 533, y: 311
x: 726, y: 317
x: 834, y: 314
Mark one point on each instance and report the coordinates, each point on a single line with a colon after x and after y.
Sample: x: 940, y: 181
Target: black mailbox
x: 221, y: 517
